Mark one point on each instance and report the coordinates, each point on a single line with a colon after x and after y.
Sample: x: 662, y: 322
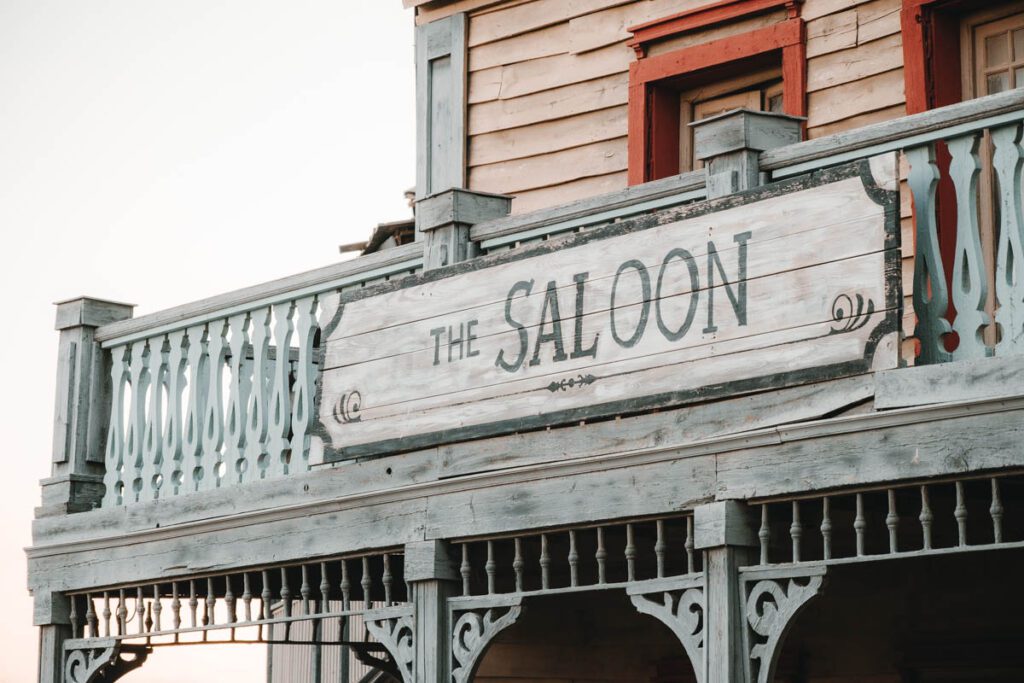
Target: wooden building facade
x: 704, y: 365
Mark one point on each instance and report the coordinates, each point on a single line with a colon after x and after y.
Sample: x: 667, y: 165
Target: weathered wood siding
x: 548, y: 81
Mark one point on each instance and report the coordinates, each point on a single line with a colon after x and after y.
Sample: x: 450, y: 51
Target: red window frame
x: 654, y: 109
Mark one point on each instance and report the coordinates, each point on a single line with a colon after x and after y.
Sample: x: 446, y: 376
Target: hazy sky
x: 158, y: 152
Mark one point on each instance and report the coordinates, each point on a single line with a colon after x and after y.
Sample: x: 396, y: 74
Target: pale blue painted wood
x: 931, y: 298
x: 969, y: 281
x: 1008, y: 162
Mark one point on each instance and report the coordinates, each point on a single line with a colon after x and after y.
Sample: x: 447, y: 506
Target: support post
x: 52, y: 615
x: 730, y: 144
x: 444, y: 220
x: 82, y: 404
x: 726, y: 534
x: 430, y: 572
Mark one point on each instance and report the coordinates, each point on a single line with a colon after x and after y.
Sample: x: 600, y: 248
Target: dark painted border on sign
x: 887, y: 199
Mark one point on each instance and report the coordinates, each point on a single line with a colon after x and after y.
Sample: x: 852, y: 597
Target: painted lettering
x: 525, y: 287
x: 577, y: 346
x: 691, y: 312
x: 645, y: 306
x: 737, y: 298
x: 550, y: 308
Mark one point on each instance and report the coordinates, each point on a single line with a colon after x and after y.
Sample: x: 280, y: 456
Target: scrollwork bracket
x: 394, y: 628
x: 679, y: 604
x: 91, y: 660
x: 772, y: 599
x: 473, y: 630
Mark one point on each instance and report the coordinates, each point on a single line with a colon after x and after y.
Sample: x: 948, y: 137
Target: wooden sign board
x: 792, y: 283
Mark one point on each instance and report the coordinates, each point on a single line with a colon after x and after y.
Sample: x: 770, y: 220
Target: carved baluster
x: 518, y: 564
x: 465, y: 570
x: 305, y: 590
x: 106, y: 614
x: 574, y: 560
x: 601, y: 556
x: 136, y: 419
x: 796, y: 531
x: 286, y: 594
x: 346, y: 587
x: 213, y: 420
x: 630, y: 554
x: 192, y: 441
x: 256, y: 409
x: 239, y: 386
x: 860, y: 525
x: 172, y: 447
x: 970, y: 285
x: 247, y: 596
x: 73, y: 615
x: 175, y: 606
x: 113, y: 479
x: 892, y: 522
x: 210, y: 617
x: 325, y: 589
x: 90, y: 617
x: 489, y: 567
x: 960, y: 513
x: 280, y: 410
x: 229, y: 600
x: 158, y: 607
x: 996, y: 511
x: 386, y: 579
x: 926, y: 519
x: 826, y: 528
x: 764, y: 533
x: 366, y: 582
x: 265, y: 596
x: 153, y: 439
x: 122, y: 614
x: 545, y: 563
x: 690, y: 569
x: 303, y: 414
x: 140, y: 610
x: 659, y: 547
x: 193, y: 603
x: 931, y: 299
x: 1008, y: 160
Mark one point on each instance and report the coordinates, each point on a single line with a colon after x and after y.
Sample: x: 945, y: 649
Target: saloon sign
x: 686, y: 306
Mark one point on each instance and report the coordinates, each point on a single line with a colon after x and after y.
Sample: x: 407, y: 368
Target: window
x: 722, y: 56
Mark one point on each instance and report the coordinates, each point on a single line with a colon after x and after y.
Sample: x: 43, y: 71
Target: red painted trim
x: 702, y: 17
x: 639, y: 131
x: 915, y: 68
x: 718, y: 52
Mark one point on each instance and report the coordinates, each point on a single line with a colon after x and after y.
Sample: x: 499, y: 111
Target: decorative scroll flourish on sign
x: 851, y: 316
x: 799, y: 282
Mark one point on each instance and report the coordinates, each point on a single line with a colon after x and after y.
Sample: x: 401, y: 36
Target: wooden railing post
x: 82, y: 405
x: 431, y: 573
x: 729, y: 145
x: 725, y: 532
x: 444, y: 220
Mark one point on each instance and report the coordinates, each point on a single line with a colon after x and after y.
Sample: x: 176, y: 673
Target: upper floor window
x: 726, y: 55
x: 994, y: 52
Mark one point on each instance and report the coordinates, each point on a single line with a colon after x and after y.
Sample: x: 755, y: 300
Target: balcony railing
x: 222, y: 392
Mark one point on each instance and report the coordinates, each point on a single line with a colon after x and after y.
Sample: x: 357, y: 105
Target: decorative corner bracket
x: 394, y: 628
x: 474, y: 629
x: 679, y: 604
x: 90, y: 660
x: 772, y: 599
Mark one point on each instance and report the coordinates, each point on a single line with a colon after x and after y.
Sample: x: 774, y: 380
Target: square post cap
x: 461, y: 206
x: 86, y: 311
x: 744, y: 130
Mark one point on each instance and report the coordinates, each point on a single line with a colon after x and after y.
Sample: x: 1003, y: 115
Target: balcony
x: 208, y: 418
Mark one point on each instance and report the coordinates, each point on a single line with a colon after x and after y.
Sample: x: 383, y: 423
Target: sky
x: 158, y: 152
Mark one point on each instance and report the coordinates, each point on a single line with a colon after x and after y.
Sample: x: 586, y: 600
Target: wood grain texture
x: 535, y: 200
x: 509, y: 177
x: 875, y: 92
x: 531, y: 16
x: 549, y: 136
x: 556, y: 103
x: 848, y: 66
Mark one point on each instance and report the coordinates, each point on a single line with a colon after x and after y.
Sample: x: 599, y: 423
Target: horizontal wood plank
x: 509, y: 177
x: 566, y: 193
x: 844, y: 101
x: 848, y: 66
